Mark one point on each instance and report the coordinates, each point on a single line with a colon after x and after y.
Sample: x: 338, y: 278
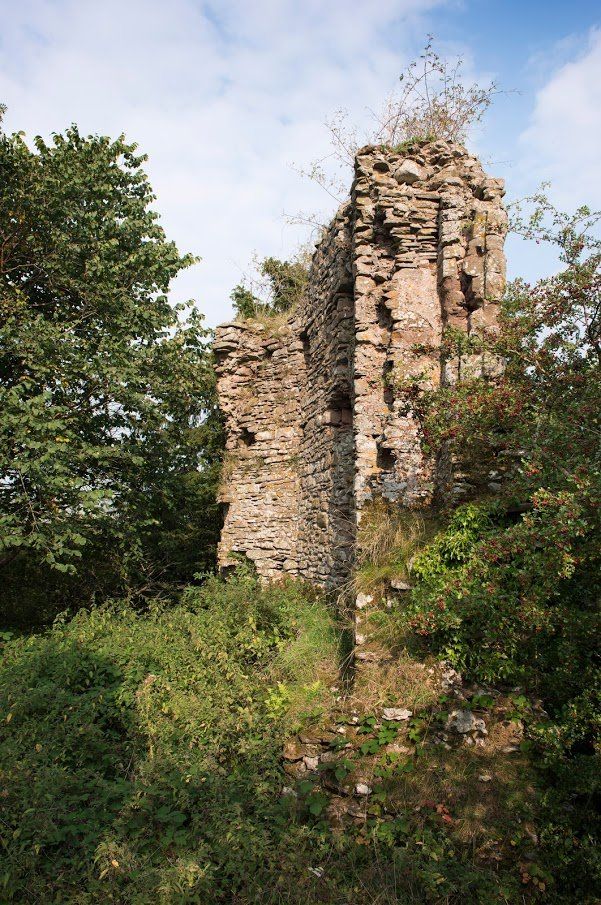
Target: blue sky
x: 226, y: 97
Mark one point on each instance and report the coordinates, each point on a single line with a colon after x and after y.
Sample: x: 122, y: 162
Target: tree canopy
x: 106, y: 390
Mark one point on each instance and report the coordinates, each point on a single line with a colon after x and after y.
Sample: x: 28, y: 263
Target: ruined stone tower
x: 314, y: 431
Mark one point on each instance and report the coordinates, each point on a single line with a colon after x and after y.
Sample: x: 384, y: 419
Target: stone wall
x: 259, y: 392
x: 326, y: 322
x: 314, y: 428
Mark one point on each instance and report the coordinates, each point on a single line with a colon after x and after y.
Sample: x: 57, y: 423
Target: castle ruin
x: 315, y: 430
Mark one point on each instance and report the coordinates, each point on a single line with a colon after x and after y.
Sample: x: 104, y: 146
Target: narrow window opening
x: 467, y: 288
x: 247, y: 437
x: 382, y: 235
x: 384, y: 316
x: 340, y: 411
x: 385, y: 458
x: 304, y: 338
x: 387, y: 378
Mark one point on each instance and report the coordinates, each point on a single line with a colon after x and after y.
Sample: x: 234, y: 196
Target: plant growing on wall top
x: 434, y: 101
x: 275, y: 288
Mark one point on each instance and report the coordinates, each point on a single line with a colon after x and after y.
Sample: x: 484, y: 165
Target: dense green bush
x: 140, y: 754
x: 496, y: 599
x: 279, y: 289
x: 141, y: 761
x: 493, y: 598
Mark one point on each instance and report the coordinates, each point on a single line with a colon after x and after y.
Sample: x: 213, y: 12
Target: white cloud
x: 223, y: 97
x: 225, y: 94
x: 562, y: 143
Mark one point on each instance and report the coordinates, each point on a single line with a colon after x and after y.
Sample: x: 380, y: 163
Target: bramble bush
x: 510, y: 590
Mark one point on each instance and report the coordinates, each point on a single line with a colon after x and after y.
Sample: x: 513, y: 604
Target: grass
x: 389, y: 538
x: 403, y: 681
x: 273, y: 321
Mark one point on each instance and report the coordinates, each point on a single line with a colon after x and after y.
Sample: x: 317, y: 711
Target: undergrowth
x: 141, y: 761
x: 491, y: 595
x: 140, y: 753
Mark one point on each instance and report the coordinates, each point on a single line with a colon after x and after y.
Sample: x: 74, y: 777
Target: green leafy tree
x: 536, y: 564
x: 280, y: 287
x: 109, y: 436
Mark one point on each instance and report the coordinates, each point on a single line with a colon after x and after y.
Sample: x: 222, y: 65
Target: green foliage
x: 108, y: 429
x: 280, y: 288
x: 245, y: 303
x: 139, y: 759
x: 288, y: 280
x: 387, y: 733
x: 509, y: 591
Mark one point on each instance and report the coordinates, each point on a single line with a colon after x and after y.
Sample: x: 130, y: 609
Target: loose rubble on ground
x: 347, y: 758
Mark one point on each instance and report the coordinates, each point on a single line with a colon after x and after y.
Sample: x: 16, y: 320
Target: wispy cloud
x: 562, y: 143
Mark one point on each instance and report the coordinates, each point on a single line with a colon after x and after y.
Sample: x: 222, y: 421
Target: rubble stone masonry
x: 314, y: 428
